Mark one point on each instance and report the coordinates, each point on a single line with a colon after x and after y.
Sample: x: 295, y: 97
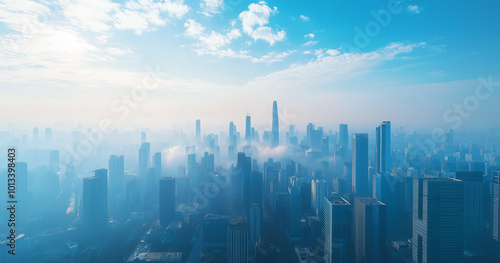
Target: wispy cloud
x: 304, y: 18
x: 211, y: 7
x: 331, y: 65
x: 310, y: 35
x: 310, y: 43
x: 414, y: 9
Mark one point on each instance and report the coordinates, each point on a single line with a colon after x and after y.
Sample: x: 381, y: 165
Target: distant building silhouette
x: 116, y: 168
x: 95, y: 200
x: 144, y: 155
x: 198, y: 131
x: 383, y: 160
x: 275, y: 129
x: 167, y: 200
x: 360, y: 165
x: 248, y: 129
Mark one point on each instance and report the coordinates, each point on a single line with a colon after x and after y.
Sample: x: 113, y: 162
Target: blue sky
x: 74, y: 61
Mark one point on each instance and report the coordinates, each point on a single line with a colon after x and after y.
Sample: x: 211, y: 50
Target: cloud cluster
x: 211, y: 7
x: 254, y: 21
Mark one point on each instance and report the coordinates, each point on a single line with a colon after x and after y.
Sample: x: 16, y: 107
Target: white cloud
x: 332, y: 52
x: 91, y: 15
x: 139, y: 15
x: 273, y: 57
x: 254, y: 20
x: 415, y: 9
x: 145, y: 14
x: 310, y: 43
x: 330, y: 67
x: 211, y: 7
x: 217, y: 40
x: 193, y: 28
x: 310, y: 35
x: 304, y: 18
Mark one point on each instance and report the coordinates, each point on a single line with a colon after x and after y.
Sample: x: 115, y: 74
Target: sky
x: 164, y: 64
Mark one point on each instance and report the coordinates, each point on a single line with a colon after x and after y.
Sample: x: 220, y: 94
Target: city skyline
x: 261, y: 131
x: 247, y: 51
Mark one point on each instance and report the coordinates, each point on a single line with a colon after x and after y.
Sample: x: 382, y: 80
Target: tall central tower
x: 276, y: 133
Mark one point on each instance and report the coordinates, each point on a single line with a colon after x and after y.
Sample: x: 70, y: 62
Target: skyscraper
x: 248, y: 129
x: 48, y: 136
x: 276, y: 133
x: 383, y: 161
x: 254, y: 223
x: 198, y: 131
x: 318, y: 192
x: 343, y: 136
x: 157, y: 165
x: 237, y: 240
x: 473, y: 202
x: 144, y: 153
x: 496, y: 205
x: 438, y: 220
x: 337, y: 229
x: 116, y: 168
x: 369, y: 230
x: 167, y: 200
x: 294, y: 216
x: 95, y: 200
x: 215, y: 232
x: 244, y: 180
x: 360, y: 165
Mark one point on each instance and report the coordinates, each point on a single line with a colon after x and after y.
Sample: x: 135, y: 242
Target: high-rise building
x: 248, y: 129
x: 496, y: 205
x: 198, y: 131
x: 383, y: 161
x: 275, y: 129
x: 36, y: 135
x: 473, y: 202
x: 48, y: 136
x: 294, y: 216
x: 438, y: 220
x: 243, y: 179
x: 167, y: 200
x: 369, y: 230
x: 360, y: 165
x: 116, y: 168
x: 257, y: 187
x: 318, y: 192
x: 207, y: 166
x: 144, y: 153
x: 237, y: 240
x: 95, y: 200
x: 338, y: 213
x: 343, y: 136
x: 232, y: 134
x: 215, y: 232
x: 255, y: 221
x: 157, y: 165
